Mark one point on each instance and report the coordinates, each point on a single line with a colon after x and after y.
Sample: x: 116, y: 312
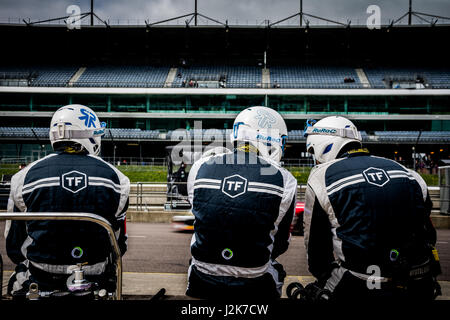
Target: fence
x: 444, y: 189
x: 148, y: 196
x: 136, y: 161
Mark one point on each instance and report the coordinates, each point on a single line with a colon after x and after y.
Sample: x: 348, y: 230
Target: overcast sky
x: 242, y: 11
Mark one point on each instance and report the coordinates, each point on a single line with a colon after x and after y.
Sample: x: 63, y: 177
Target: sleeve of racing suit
x: 282, y: 237
x: 15, y: 237
x: 318, y: 238
x: 122, y: 226
x: 15, y: 231
x: 430, y: 231
x: 120, y: 216
x: 191, y: 180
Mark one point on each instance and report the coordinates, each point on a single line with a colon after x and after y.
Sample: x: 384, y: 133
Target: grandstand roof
x: 154, y: 45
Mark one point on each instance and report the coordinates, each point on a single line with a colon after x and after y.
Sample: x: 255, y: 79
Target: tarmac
x: 138, y: 286
x: 142, y: 286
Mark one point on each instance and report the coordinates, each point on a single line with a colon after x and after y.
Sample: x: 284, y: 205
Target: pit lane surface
x: 157, y: 248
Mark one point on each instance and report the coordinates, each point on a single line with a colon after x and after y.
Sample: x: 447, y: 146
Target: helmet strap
x: 353, y: 151
x: 73, y: 150
x: 70, y: 147
x: 247, y: 147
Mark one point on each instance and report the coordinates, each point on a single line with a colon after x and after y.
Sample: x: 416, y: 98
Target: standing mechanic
x: 368, y: 232
x: 243, y: 202
x: 73, y: 179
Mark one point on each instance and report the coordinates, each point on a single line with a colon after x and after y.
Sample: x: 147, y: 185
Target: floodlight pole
x: 195, y: 13
x: 194, y: 16
x: 410, y: 13
x: 79, y: 17
x: 92, y: 12
x: 301, y: 13
x: 418, y: 15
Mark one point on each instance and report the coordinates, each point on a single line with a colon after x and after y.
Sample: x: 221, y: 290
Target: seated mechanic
x: 368, y: 232
x: 73, y: 179
x: 243, y: 202
x: 180, y: 178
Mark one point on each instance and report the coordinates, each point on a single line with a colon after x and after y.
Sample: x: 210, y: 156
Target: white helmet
x: 79, y: 124
x: 326, y: 138
x: 262, y: 127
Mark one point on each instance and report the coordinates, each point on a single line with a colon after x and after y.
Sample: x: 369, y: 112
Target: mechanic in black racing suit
x: 73, y: 179
x: 368, y: 232
x: 243, y: 203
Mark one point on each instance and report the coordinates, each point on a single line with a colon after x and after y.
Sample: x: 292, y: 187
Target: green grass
x: 8, y: 169
x: 144, y: 173
x: 430, y: 179
x: 300, y: 173
x: 159, y: 173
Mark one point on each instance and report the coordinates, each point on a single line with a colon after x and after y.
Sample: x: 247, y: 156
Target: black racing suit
x: 243, y: 206
x: 46, y: 251
x: 368, y: 231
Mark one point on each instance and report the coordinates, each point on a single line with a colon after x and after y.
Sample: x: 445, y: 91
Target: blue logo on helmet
x: 268, y: 138
x: 265, y: 119
x: 88, y: 117
x: 324, y: 130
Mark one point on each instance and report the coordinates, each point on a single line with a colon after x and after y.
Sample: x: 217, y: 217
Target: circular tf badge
x: 393, y: 255
x: 227, y: 254
x: 77, y: 252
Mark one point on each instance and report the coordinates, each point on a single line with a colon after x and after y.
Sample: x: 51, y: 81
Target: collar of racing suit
x: 355, y: 153
x: 246, y: 147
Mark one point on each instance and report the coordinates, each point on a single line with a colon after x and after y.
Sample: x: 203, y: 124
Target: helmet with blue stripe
x: 262, y: 127
x: 78, y: 126
x: 327, y: 137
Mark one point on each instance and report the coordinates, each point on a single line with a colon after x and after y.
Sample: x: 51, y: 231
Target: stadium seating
x: 24, y: 132
x: 132, y: 134
x: 123, y: 76
x: 297, y: 135
x: 236, y: 76
x: 436, y: 78
x: 413, y: 136
x: 222, y: 134
x: 320, y: 77
x: 40, y: 76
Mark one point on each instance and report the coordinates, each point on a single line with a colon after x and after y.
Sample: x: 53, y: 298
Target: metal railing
x: 136, y: 161
x: 71, y: 216
x: 444, y: 189
x: 236, y: 22
x: 143, y: 192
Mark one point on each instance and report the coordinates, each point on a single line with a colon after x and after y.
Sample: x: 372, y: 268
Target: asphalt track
x: 159, y: 256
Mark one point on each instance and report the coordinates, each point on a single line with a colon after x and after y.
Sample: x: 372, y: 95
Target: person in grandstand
x: 368, y: 232
x: 243, y: 202
x: 72, y: 179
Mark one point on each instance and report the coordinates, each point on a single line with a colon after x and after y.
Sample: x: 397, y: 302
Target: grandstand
x: 211, y: 76
x: 124, y: 134
x: 148, y: 81
x: 123, y: 76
